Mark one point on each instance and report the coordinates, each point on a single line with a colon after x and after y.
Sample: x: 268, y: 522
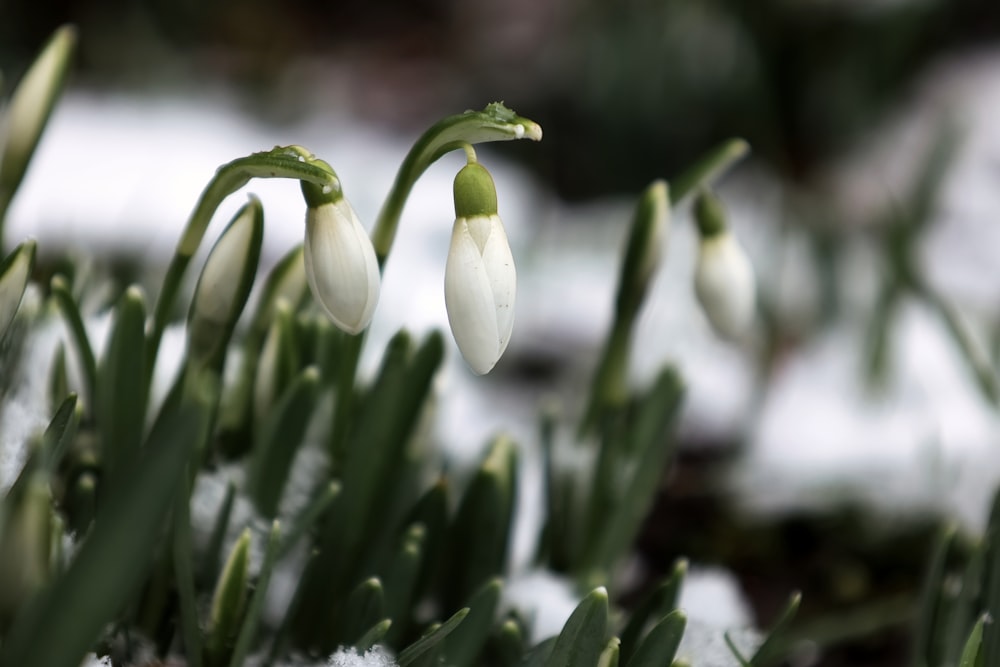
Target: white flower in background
x: 340, y: 261
x: 479, y: 279
x: 724, y: 279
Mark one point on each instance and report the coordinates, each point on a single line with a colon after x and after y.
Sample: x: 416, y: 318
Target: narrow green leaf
x: 58, y: 377
x: 481, y: 531
x: 464, y: 645
x: 282, y: 435
x: 364, y: 609
x: 304, y: 521
x: 431, y: 511
x: 538, y: 655
x: 660, y: 646
x: 78, y: 338
x: 383, y: 429
x: 15, y: 270
x: 212, y: 560
x: 114, y: 560
x: 619, y: 505
x: 971, y: 653
x: 401, y: 581
x: 775, y: 643
x: 584, y: 635
x: 228, y: 601
x: 278, y: 365
x: 60, y: 433
x: 506, y: 646
x: 930, y: 616
x: 374, y: 635
x: 183, y: 557
x: 610, y: 655
x: 661, y: 601
x: 431, y: 639
x: 735, y: 650
x: 251, y: 620
x: 991, y: 582
x: 121, y: 400
x: 286, y: 283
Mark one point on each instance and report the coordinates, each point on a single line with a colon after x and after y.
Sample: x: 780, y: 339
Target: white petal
x: 468, y: 295
x: 503, y: 280
x: 725, y: 285
x: 341, y: 266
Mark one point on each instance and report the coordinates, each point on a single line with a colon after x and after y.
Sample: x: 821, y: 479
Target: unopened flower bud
x: 479, y: 280
x: 724, y: 279
x: 341, y: 266
x: 225, y: 282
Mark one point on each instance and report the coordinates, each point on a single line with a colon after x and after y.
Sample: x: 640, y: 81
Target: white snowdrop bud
x: 724, y: 279
x: 340, y: 261
x: 479, y: 280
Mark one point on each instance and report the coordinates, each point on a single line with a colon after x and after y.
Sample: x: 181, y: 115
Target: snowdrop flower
x: 340, y: 261
x: 724, y: 279
x: 479, y: 277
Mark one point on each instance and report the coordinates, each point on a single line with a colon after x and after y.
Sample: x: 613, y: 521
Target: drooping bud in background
x: 14, y: 272
x: 340, y: 261
x: 479, y: 280
x: 724, y: 279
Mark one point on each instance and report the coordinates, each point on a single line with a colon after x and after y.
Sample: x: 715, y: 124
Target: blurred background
x: 821, y: 455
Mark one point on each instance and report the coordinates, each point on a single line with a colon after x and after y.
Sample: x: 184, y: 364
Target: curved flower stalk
x: 480, y: 280
x: 724, y: 279
x: 293, y: 162
x: 494, y: 123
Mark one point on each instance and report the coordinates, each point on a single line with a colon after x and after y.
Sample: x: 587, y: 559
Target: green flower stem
x: 347, y: 370
x: 643, y: 251
x: 494, y: 123
x: 292, y: 162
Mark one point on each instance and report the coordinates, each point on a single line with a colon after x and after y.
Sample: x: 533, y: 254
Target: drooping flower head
x: 724, y: 279
x: 479, y: 280
x: 340, y: 261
